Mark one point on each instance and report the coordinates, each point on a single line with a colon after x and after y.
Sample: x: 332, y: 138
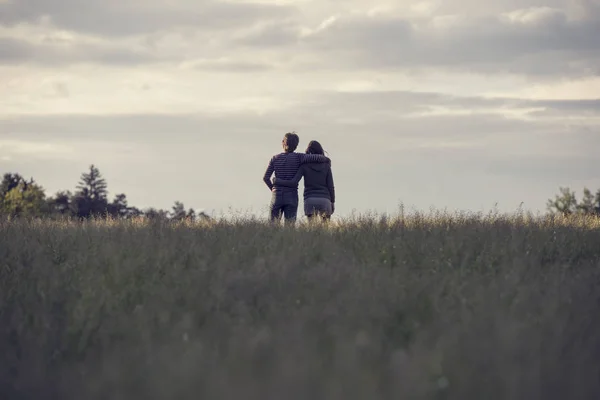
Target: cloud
x: 18, y: 51
x: 276, y: 34
x: 134, y: 17
x: 38, y: 150
x: 541, y: 39
x: 536, y: 17
x: 578, y: 104
x: 535, y: 41
x: 563, y: 168
x: 378, y: 116
x: 226, y: 65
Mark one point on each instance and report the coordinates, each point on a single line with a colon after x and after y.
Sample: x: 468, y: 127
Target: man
x: 284, y: 199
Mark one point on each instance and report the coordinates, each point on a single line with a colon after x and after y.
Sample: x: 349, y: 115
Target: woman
x: 319, y: 191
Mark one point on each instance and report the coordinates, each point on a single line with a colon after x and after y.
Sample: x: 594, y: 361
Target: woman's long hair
x: 315, y: 147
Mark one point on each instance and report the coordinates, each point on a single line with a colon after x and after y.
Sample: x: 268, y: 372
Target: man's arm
x: 268, y: 174
x: 331, y: 186
x: 313, y: 158
x: 290, y: 182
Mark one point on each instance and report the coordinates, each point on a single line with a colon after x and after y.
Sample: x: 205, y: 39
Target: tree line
x: 21, y: 197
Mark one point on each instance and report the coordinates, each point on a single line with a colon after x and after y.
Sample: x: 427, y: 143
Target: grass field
x: 434, y: 306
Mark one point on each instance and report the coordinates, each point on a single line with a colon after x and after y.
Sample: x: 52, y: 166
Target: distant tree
x: 26, y: 199
x: 60, y: 203
x: 191, y: 214
x: 93, y: 183
x: 82, y: 205
x: 586, y: 206
x: 564, y: 203
x: 118, y: 208
x: 203, y: 216
x: 134, y: 212
x: 9, y: 182
x: 91, y: 196
x: 178, y: 212
x: 155, y: 214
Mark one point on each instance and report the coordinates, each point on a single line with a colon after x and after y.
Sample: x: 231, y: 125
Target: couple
x: 289, y: 167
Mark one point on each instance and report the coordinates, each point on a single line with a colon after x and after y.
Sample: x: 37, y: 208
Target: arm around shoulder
x: 314, y: 158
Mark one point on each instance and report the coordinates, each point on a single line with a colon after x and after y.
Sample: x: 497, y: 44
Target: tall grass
x: 437, y: 306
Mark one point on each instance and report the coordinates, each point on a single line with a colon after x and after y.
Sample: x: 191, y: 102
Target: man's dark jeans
x: 286, y: 203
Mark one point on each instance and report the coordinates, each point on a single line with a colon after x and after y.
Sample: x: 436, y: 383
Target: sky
x: 464, y: 104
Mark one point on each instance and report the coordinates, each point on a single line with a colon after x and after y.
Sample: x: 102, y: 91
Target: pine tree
x: 93, y: 184
x: 91, y: 197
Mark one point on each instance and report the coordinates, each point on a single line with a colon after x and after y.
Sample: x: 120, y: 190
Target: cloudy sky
x: 462, y: 104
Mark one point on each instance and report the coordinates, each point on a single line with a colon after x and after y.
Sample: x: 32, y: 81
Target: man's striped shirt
x: 285, y: 166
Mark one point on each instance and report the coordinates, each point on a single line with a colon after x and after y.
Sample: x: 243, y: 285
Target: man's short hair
x: 290, y: 142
